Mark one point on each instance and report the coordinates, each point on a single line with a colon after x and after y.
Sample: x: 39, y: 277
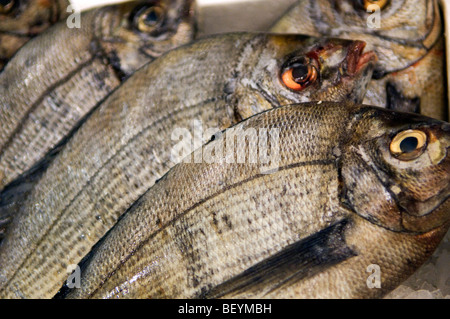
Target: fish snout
x: 358, y: 60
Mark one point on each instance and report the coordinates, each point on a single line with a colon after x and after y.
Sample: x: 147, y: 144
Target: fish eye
x: 299, y: 75
x: 366, y: 3
x: 6, y: 5
x: 408, y: 145
x: 149, y: 18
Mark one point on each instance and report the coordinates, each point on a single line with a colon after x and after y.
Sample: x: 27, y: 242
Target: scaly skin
x: 211, y: 229
x: 127, y: 143
x: 58, y: 78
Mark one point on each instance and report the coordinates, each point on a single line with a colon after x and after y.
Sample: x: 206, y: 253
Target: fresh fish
x: 351, y: 189
x: 409, y: 42
x: 58, y: 78
x: 127, y: 143
x: 21, y: 20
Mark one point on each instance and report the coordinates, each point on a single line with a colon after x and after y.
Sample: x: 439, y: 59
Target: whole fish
x: 407, y: 36
x: 58, y: 78
x: 351, y: 188
x: 21, y: 20
x: 127, y: 143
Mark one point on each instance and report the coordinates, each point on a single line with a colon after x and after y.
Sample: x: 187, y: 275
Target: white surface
x: 86, y: 4
x: 218, y: 16
x: 221, y: 2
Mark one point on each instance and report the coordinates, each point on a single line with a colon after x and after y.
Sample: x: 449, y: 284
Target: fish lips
x: 421, y: 218
x: 357, y: 60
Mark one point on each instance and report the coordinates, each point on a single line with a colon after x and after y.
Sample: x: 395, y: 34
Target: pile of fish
x: 140, y: 160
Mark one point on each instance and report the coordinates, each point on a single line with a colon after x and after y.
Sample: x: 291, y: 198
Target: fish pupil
x: 151, y: 18
x: 5, y: 2
x: 409, y: 144
x: 300, y: 73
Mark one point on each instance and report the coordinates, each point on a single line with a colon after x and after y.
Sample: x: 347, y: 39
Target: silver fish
x: 58, y: 78
x: 126, y: 144
x: 349, y: 187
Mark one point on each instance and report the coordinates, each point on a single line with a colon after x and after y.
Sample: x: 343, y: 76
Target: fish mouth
x: 358, y: 60
x: 430, y: 218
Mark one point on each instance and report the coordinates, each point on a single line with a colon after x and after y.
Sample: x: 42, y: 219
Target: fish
x: 21, y: 20
x: 406, y: 35
x: 134, y: 137
x: 302, y: 201
x: 58, y: 78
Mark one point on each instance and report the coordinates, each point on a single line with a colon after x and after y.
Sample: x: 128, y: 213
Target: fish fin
x: 295, y: 262
x: 398, y: 102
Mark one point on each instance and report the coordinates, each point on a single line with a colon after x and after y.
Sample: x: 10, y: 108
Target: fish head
x: 21, y: 20
x: 289, y: 69
x: 408, y: 20
x: 399, y: 31
x: 137, y: 32
x: 396, y: 170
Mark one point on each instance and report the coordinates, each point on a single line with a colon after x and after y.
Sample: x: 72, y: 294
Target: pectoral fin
x: 300, y: 260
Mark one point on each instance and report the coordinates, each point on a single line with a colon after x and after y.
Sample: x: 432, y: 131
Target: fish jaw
x: 428, y: 206
x: 360, y: 67
x: 354, y: 69
x: 357, y: 60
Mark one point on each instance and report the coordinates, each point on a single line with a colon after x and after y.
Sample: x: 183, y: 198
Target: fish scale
x: 97, y: 188
x: 194, y: 217
x: 71, y: 70
x: 17, y: 103
x: 60, y: 111
x: 219, y: 230
x: 129, y: 143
